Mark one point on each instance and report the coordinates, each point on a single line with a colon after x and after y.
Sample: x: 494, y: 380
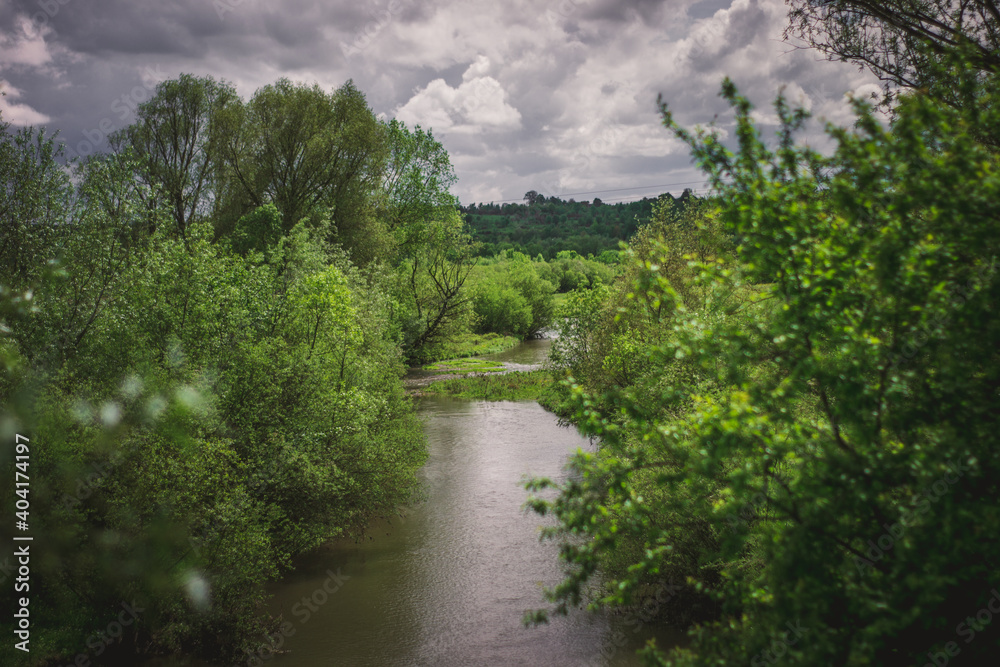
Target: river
x: 448, y: 583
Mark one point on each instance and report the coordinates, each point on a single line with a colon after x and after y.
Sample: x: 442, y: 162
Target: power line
x: 595, y: 192
x: 638, y: 187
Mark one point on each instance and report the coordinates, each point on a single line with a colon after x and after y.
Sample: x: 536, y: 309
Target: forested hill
x: 548, y: 225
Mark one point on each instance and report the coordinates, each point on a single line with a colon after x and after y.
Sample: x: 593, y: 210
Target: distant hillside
x: 546, y: 226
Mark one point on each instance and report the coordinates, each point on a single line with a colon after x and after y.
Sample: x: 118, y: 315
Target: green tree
x: 502, y: 310
x: 510, y: 297
x: 308, y: 152
x: 833, y: 433
x: 175, y: 139
x: 434, y: 302
x: 417, y: 179
x: 35, y: 195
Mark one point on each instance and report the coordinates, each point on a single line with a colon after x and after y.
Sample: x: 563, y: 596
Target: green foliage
x: 200, y: 418
x: 548, y: 226
x: 35, y: 195
x: 569, y: 271
x: 259, y: 231
x: 511, y: 297
x: 513, y: 386
x: 501, y: 309
x: 817, y: 449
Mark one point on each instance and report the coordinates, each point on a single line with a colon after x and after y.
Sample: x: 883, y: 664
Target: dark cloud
x: 560, y: 94
x: 706, y: 8
x: 122, y: 27
x: 649, y: 11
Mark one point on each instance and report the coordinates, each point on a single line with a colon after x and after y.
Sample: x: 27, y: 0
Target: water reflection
x: 448, y: 583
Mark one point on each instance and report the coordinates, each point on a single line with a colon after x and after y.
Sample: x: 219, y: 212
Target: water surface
x: 448, y: 583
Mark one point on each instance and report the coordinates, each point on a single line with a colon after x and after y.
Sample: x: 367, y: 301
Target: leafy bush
x: 833, y: 436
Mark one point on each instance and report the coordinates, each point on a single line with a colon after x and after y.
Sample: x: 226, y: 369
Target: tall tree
x: 174, y: 140
x: 307, y: 152
x: 417, y: 177
x: 35, y: 195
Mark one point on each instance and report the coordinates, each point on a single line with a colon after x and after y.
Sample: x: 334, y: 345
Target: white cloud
x: 24, y: 45
x: 478, y: 103
x: 17, y: 114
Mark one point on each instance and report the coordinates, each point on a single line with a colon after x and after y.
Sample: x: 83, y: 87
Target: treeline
x: 796, y: 387
x: 203, y: 337
x: 547, y: 226
x: 514, y: 295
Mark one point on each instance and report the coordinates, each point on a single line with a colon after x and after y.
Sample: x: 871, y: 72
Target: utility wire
x: 638, y: 187
x: 597, y: 192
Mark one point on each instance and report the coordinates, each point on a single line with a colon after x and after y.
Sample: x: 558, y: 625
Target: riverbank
x: 472, y: 345
x: 503, y: 386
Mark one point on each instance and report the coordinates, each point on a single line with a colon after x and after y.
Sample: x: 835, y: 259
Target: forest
x: 792, y: 381
x: 547, y: 226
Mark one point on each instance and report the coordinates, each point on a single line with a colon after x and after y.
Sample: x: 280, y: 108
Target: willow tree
x: 309, y: 153
x: 174, y: 141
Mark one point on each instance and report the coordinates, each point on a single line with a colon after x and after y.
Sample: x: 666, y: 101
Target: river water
x: 448, y: 583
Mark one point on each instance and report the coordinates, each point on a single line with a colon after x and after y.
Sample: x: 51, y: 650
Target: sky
x: 555, y: 96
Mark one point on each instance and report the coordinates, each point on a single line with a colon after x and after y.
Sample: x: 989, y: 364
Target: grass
x: 560, y: 299
x: 472, y: 345
x: 516, y: 386
x: 465, y: 366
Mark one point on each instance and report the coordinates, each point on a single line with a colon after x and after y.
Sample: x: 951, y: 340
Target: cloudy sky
x: 556, y: 96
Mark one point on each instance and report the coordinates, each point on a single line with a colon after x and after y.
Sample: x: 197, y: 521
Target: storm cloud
x: 557, y: 97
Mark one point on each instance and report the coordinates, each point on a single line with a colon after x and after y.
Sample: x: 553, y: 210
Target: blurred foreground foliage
x: 200, y: 409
